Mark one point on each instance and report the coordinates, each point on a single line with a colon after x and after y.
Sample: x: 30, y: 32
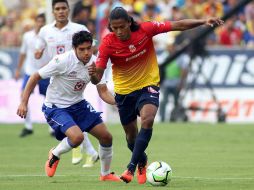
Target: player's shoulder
x: 46, y: 29
x: 29, y: 34
x: 66, y: 57
x: 47, y: 26
x: 77, y: 26
x: 146, y: 25
x: 109, y: 38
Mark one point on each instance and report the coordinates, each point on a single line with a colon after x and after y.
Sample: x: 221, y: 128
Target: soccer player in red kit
x: 136, y: 77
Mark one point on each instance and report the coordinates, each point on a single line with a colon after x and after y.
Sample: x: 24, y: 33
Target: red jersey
x: 134, y: 61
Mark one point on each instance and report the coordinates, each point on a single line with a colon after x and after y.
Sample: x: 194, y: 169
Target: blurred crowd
x: 17, y: 17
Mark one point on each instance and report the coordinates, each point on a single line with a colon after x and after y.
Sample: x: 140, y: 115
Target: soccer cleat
x: 25, y: 132
x: 127, y: 176
x: 110, y: 177
x: 91, y: 160
x: 77, y: 156
x: 141, y: 173
x: 51, y: 164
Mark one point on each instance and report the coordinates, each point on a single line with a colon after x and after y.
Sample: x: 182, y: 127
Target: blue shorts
x: 129, y: 105
x: 43, y: 84
x: 81, y: 114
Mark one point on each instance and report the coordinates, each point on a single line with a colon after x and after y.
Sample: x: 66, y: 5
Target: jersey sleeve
x: 53, y: 68
x: 102, y: 56
x: 107, y: 76
x: 83, y: 27
x: 40, y: 43
x: 154, y: 27
x: 23, y: 47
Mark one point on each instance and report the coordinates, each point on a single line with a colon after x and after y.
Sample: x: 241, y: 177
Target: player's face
x: 84, y: 52
x: 40, y: 22
x: 121, y: 28
x: 61, y: 12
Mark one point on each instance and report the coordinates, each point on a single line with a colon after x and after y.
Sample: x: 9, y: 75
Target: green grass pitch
x: 202, y: 156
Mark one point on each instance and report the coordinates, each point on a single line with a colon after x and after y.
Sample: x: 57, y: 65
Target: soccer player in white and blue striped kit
x: 66, y: 110
x: 54, y: 39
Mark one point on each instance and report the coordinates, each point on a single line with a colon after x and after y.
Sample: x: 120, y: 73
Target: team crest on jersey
x: 132, y: 48
x: 60, y: 49
x: 79, y: 86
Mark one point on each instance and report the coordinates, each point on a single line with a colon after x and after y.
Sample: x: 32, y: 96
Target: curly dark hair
x: 121, y: 13
x: 81, y: 37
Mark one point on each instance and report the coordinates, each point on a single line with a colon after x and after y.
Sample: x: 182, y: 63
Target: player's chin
x: 62, y: 19
x: 85, y: 61
x: 122, y: 37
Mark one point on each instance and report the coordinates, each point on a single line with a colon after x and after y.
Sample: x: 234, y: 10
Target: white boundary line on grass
x: 215, y: 178
x: 176, y: 177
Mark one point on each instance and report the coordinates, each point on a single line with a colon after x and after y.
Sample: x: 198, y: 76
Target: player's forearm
x: 187, y: 24
x: 95, y: 79
x: 38, y: 54
x: 21, y: 61
x: 33, y: 80
x: 105, y: 94
x: 95, y: 73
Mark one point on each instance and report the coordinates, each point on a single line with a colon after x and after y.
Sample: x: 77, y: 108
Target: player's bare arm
x: 105, y: 94
x: 38, y: 54
x: 186, y: 24
x: 33, y: 80
x: 20, y: 65
x: 95, y: 73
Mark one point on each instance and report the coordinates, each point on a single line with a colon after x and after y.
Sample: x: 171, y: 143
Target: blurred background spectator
x: 17, y: 17
x: 21, y: 14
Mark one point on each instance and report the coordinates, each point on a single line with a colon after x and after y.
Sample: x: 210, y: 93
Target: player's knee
x: 106, y: 138
x: 78, y: 139
x: 147, y: 121
x: 131, y: 138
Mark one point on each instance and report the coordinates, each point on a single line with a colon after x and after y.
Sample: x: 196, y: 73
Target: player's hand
x: 17, y: 75
x: 214, y: 22
x: 22, y: 110
x: 92, y: 69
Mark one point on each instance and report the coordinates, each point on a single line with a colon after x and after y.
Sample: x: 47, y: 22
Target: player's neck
x: 36, y: 30
x: 60, y: 25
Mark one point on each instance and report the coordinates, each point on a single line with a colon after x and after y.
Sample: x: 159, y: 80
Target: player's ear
x: 109, y: 27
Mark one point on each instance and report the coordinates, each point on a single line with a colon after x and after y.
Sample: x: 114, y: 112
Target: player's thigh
x: 148, y: 110
x: 101, y: 132
x: 126, y: 107
x: 148, y: 104
x: 59, y: 120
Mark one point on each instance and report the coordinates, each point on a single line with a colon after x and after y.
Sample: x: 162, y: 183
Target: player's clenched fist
x: 92, y: 69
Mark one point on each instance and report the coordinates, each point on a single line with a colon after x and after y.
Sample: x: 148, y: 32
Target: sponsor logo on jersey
x: 72, y: 74
x: 141, y: 41
x: 51, y: 39
x: 135, y: 56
